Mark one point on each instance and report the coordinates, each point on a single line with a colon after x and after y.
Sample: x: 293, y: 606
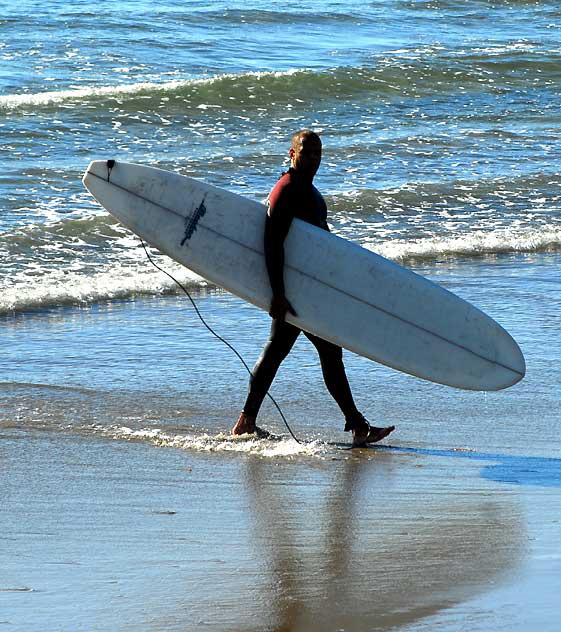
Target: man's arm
x: 277, y: 225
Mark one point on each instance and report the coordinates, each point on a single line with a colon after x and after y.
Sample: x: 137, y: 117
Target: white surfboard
x: 340, y: 291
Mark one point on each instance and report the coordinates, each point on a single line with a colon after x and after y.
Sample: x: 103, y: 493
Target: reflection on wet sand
x: 365, y: 547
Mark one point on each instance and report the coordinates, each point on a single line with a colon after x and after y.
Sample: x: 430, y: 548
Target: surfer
x: 294, y: 195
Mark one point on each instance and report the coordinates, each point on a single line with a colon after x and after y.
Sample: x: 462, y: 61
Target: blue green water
x: 440, y: 124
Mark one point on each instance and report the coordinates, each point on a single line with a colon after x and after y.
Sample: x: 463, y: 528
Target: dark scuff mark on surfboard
x: 191, y: 222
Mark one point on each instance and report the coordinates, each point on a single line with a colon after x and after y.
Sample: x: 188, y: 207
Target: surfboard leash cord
x: 216, y: 335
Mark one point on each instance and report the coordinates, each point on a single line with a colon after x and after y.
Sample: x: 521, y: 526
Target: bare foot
x: 244, y: 425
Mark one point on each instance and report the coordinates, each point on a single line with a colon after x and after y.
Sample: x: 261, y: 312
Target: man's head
x: 305, y: 152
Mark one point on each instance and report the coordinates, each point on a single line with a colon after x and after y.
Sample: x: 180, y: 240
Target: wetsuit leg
x: 334, y: 375
x: 281, y: 340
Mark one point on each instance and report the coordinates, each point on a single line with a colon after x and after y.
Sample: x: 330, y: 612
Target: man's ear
x: 291, y: 153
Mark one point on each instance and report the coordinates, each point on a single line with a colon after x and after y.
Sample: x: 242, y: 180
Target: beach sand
x: 100, y: 534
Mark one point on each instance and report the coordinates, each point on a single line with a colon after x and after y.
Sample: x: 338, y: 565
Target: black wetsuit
x: 294, y: 196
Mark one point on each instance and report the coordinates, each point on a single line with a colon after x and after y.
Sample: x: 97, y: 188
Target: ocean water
x: 442, y: 129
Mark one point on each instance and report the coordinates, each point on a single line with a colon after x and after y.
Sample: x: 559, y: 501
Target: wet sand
x: 119, y: 535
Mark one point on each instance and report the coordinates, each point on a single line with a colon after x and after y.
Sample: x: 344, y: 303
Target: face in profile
x: 305, y: 155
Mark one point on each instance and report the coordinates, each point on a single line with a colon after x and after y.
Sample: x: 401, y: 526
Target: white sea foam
x: 12, y: 101
x: 272, y: 447
x: 44, y: 98
x: 475, y: 243
x: 28, y: 290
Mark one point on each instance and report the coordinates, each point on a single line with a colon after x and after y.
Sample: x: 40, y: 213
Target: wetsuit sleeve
x: 321, y: 210
x: 277, y: 224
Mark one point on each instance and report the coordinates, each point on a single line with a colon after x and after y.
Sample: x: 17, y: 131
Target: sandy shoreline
x: 116, y: 535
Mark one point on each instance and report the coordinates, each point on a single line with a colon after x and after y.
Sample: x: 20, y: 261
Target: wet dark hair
x: 302, y: 136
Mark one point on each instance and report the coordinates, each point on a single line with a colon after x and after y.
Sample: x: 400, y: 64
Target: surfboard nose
x: 510, y: 363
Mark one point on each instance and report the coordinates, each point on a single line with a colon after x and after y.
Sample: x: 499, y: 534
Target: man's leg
x: 335, y: 377
x: 281, y: 340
